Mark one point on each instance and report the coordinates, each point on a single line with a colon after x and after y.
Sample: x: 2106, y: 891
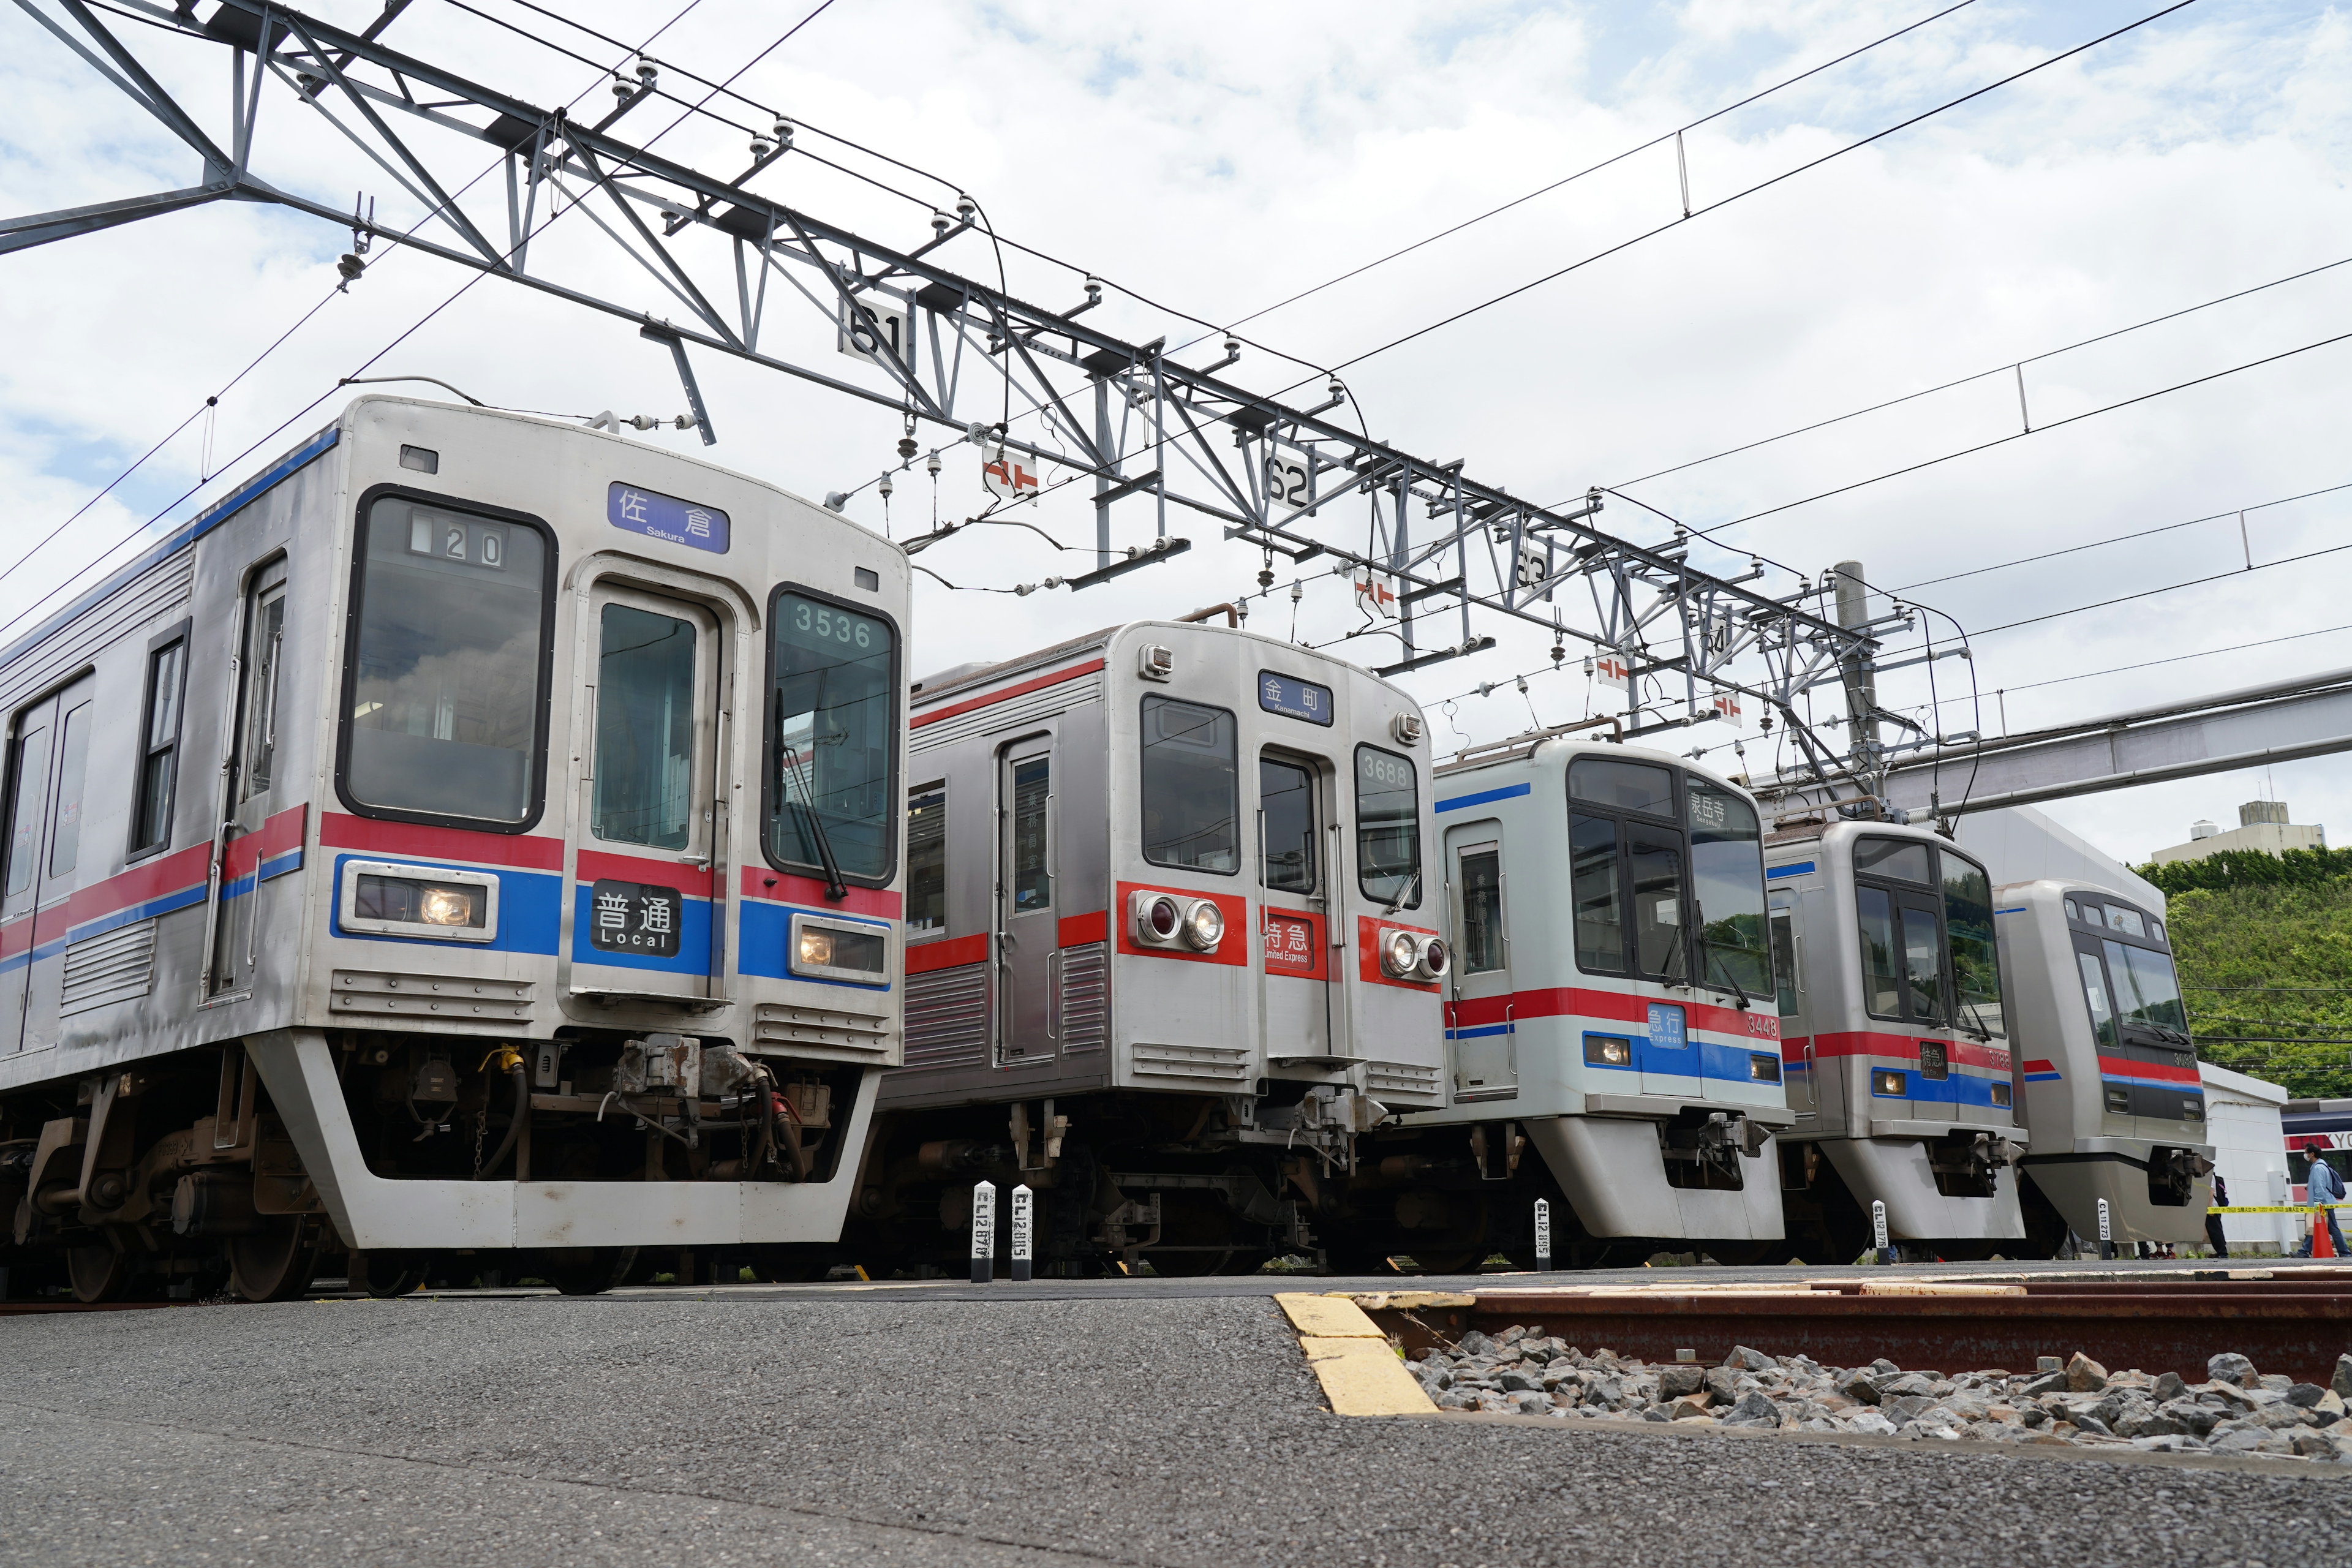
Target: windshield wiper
x: 1983, y: 1030
x: 1410, y: 888
x: 787, y: 758
x: 1715, y: 961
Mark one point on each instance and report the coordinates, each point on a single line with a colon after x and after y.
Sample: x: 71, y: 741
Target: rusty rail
x: 2291, y: 1326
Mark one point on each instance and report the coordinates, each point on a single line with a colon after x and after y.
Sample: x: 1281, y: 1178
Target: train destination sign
x: 665, y: 517
x: 1294, y: 699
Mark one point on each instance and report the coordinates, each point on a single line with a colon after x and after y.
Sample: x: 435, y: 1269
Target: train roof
x: 956, y: 677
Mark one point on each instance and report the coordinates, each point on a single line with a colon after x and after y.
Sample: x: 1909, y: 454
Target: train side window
x: 73, y: 770
x: 1033, y: 874
x: 1387, y: 829
x: 1625, y: 787
x: 2095, y: 991
x: 1882, y: 987
x: 926, y: 857
x: 644, y: 791
x: 832, y: 755
x: 1191, y: 787
x: 1482, y: 910
x: 28, y: 778
x: 264, y: 647
x: 1892, y: 858
x: 1661, y: 914
x: 1784, y: 962
x: 159, y: 755
x: 2072, y: 913
x: 1285, y: 815
x: 1594, y: 886
x: 444, y: 687
x: 1923, y: 962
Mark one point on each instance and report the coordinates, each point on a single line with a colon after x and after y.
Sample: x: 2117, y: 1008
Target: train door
x: 643, y: 921
x: 1485, y: 1048
x: 246, y: 784
x: 1028, y: 948
x: 1301, y: 1019
x: 48, y: 767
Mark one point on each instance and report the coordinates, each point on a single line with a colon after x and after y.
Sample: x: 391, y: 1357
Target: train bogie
x: 475, y: 834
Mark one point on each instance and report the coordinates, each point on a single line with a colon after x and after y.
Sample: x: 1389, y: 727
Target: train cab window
x: 1592, y: 882
x: 445, y: 690
x: 1923, y: 965
x: 2147, y: 990
x: 2094, y: 992
x: 1976, y: 960
x: 1191, y: 787
x: 1622, y: 786
x: 1482, y: 910
x: 2073, y: 912
x: 926, y: 857
x: 833, y: 702
x: 1882, y: 987
x: 1387, y: 829
x: 28, y: 780
x: 73, y: 774
x: 1727, y: 884
x: 159, y: 750
x: 1661, y: 922
x: 1892, y: 858
x: 2124, y: 921
x: 1285, y: 814
x: 644, y: 729
x: 264, y: 645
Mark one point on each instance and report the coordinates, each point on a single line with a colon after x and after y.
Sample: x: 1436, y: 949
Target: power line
x: 1761, y: 186
x: 1983, y: 374
x: 2169, y: 588
x: 2177, y: 658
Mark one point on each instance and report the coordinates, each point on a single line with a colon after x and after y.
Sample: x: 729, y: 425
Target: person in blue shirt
x: 2325, y: 1185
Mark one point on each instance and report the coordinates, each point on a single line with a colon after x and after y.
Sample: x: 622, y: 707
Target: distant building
x: 2262, y: 825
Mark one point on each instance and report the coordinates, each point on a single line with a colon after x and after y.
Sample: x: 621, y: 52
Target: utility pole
x: 1861, y: 678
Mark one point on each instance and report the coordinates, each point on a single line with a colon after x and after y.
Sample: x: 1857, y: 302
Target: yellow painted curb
x: 1328, y: 1317
x: 1922, y: 1288
x: 1410, y: 1300
x: 1363, y: 1377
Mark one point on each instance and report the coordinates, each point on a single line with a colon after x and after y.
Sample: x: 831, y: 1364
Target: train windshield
x: 447, y: 682
x: 1976, y: 964
x: 832, y: 695
x: 1728, y: 879
x: 2147, y: 990
x: 1191, y: 787
x: 1387, y: 829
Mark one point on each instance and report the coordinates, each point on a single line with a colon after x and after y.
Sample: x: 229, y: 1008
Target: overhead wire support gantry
x: 957, y: 353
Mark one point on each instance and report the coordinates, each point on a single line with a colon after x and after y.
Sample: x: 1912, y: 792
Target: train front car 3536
x: 1897, y: 1046
x: 2111, y: 1091
x: 476, y: 835
x: 1172, y: 948
x: 1610, y: 1009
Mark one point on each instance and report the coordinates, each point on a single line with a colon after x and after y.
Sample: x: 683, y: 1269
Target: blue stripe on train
x: 1483, y: 797
x: 531, y: 910
x: 767, y: 931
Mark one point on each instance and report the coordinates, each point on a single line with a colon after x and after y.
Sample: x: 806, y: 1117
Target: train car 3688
x: 476, y: 833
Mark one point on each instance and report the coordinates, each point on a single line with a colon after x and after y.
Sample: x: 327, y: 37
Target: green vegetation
x: 2265, y: 947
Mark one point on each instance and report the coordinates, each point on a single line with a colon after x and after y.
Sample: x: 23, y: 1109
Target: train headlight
x: 1888, y: 1081
x: 859, y: 954
x: 1400, y: 953
x: 445, y: 907
x: 1762, y: 1069
x: 1204, y: 926
x: 2001, y: 1092
x: 816, y: 947
x: 2192, y: 1110
x: 1608, y: 1051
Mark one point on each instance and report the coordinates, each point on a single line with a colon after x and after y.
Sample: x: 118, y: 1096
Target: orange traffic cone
x: 2321, y: 1245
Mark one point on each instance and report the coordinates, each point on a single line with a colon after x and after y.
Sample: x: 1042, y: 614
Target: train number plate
x: 634, y: 917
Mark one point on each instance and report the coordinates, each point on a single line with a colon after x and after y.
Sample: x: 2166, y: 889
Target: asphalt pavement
x: 1060, y: 1422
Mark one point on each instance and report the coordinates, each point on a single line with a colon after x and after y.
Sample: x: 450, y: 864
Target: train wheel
x: 790, y: 1265
x: 591, y: 1271
x: 1739, y: 1253
x: 276, y: 1262
x: 386, y: 1275
x: 1456, y: 1262
x: 98, y: 1272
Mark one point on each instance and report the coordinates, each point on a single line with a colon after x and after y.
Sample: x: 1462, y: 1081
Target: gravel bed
x: 2237, y: 1410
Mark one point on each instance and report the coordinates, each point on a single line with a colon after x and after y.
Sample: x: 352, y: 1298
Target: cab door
x: 48, y: 755
x: 1484, y: 1043
x: 1295, y: 909
x: 1028, y: 951
x: 249, y: 785
x: 643, y: 921
x: 1799, y: 1075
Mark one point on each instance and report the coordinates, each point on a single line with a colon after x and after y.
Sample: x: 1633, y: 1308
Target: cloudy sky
x: 1217, y: 159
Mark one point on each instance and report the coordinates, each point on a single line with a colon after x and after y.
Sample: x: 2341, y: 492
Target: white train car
x: 1173, y: 946
x: 1898, y: 1046
x: 2109, y: 1070
x: 476, y: 834
x: 1610, y: 1010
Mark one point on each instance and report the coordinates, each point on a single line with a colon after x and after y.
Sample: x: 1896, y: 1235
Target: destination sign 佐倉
x: 666, y: 518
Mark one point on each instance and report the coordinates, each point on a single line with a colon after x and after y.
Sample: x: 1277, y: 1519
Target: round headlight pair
x: 1412, y: 955
x: 1164, y: 920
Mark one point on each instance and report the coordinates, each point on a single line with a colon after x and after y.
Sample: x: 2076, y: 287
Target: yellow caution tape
x: 2281, y: 1208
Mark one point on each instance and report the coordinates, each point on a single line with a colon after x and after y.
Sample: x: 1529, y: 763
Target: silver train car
x: 2108, y: 1068
x: 1172, y: 948
x: 476, y: 834
x: 1610, y: 1012
x: 1898, y: 1050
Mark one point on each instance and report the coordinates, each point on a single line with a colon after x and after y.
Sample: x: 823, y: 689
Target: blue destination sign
x: 1294, y: 699
x: 1666, y: 1028
x: 657, y: 516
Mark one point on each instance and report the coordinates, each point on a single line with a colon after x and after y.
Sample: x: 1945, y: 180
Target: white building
x: 2262, y: 825
x: 2242, y: 1121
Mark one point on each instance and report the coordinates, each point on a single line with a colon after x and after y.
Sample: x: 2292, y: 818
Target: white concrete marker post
x: 984, y: 1232
x: 2107, y: 1231
x: 1543, y: 1236
x: 1024, y: 1208
x: 1878, y: 1230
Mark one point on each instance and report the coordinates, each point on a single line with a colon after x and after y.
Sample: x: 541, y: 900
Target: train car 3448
x: 476, y: 833
x: 1172, y: 948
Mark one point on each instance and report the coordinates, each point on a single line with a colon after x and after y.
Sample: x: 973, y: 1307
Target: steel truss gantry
x: 1146, y: 429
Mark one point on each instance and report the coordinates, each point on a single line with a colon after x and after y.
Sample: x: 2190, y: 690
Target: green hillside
x: 2265, y: 947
